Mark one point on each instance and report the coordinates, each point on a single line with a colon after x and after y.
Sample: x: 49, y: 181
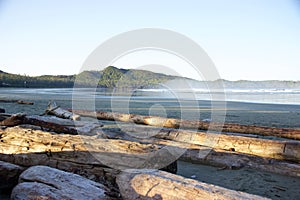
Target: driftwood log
x: 190, y: 124
x: 155, y: 184
x: 25, y: 102
x: 16, y: 101
x: 282, y: 150
x: 53, y: 109
x: 277, y: 149
x: 42, y: 182
x: 28, y: 147
x: 210, y: 156
x: 52, y: 123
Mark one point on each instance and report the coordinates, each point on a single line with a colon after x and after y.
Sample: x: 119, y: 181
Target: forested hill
x: 112, y: 77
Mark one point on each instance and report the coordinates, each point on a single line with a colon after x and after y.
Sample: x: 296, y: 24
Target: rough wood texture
x: 155, y: 184
x: 53, y: 109
x: 201, y: 125
x: 9, y: 175
x: 32, y: 147
x: 27, y: 147
x: 42, y: 181
x: 282, y: 150
x: 213, y: 156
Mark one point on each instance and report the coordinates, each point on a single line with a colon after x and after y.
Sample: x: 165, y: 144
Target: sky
x: 245, y: 39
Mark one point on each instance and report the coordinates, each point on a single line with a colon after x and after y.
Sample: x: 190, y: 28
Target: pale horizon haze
x: 246, y: 40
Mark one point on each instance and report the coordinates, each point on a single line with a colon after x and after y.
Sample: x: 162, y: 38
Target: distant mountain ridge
x: 112, y: 77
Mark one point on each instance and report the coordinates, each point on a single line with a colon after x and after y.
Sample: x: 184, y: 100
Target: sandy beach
x: 251, y: 181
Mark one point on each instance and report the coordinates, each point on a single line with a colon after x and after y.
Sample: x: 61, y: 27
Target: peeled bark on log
x: 42, y: 181
x: 53, y: 109
x: 190, y: 124
x: 155, y: 184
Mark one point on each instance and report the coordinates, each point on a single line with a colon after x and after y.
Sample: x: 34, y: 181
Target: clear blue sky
x: 246, y: 39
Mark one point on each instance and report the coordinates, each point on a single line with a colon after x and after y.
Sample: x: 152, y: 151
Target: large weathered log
x: 33, y: 147
x: 201, y: 125
x: 212, y: 156
x: 282, y: 150
x: 155, y: 184
x: 278, y: 149
x: 53, y: 109
x: 42, y: 181
x: 28, y: 147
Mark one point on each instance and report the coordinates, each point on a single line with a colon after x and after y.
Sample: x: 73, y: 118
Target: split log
x: 42, y: 181
x: 190, y: 124
x: 155, y: 184
x: 53, y: 109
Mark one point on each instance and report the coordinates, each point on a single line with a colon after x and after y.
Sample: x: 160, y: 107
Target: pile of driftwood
x: 27, y: 141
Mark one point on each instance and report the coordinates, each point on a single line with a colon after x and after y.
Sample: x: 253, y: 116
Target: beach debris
x: 43, y: 181
x: 282, y: 150
x: 193, y: 176
x: 16, y: 101
x: 207, y: 120
x: 24, y: 102
x: 55, y: 124
x: 192, y: 124
x: 280, y: 188
x: 53, y: 109
x: 155, y: 184
x: 13, y: 120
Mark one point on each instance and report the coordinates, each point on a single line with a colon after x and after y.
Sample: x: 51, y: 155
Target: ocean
x: 264, y: 107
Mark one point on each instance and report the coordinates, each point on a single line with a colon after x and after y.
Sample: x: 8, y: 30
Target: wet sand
x: 261, y: 183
